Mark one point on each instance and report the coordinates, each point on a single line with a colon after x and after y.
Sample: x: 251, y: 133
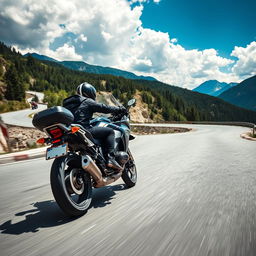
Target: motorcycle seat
x: 96, y: 142
x: 89, y: 135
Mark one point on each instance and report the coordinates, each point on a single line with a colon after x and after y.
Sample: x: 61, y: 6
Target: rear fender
x: 132, y: 137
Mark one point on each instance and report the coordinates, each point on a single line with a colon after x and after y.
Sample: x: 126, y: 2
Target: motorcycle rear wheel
x: 71, y: 186
x: 129, y: 174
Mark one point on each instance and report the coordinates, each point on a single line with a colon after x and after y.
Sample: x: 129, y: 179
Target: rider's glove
x: 122, y: 110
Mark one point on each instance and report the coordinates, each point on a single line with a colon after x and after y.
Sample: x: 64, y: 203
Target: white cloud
x: 107, y: 36
x: 172, y: 63
x: 67, y: 52
x: 143, y: 1
x: 113, y: 35
x: 174, y: 40
x: 138, y: 1
x: 246, y: 64
x: 83, y: 38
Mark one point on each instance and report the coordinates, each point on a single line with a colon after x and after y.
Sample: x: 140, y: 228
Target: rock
x: 19, y: 136
x: 31, y: 143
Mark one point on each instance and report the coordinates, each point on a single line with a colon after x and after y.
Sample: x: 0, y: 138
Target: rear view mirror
x: 131, y: 102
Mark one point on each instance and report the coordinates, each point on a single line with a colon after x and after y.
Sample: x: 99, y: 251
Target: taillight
x: 55, y: 132
x: 56, y: 141
x: 41, y: 141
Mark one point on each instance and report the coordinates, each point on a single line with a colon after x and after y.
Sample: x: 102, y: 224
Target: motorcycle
x: 79, y: 164
x: 34, y: 105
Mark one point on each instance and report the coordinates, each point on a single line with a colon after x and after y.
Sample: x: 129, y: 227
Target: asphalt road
x: 196, y: 195
x: 21, y: 117
x: 40, y: 95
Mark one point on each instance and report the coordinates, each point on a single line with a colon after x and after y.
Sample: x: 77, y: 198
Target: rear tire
x: 74, y: 199
x: 129, y: 175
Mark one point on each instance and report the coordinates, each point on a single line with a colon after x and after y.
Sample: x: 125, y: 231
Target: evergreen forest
x: 165, y: 102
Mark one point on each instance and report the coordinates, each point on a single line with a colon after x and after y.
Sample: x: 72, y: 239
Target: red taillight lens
x: 56, y: 132
x: 56, y: 141
x: 41, y: 141
x: 75, y: 129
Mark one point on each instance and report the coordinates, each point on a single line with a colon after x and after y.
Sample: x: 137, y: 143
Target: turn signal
x: 74, y: 129
x: 41, y: 141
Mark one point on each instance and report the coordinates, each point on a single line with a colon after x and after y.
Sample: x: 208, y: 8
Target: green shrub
x: 12, y: 105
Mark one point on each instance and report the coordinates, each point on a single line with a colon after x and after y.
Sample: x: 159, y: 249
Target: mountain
x: 211, y: 108
x: 156, y: 101
x: 242, y: 95
x: 213, y: 87
x: 82, y: 66
x: 40, y: 57
x: 85, y: 67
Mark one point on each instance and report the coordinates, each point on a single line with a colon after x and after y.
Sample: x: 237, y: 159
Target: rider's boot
x: 112, y: 163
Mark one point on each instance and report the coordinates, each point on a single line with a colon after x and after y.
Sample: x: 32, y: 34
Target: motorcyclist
x: 83, y: 105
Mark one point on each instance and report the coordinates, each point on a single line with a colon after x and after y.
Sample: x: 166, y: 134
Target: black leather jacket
x: 83, y: 108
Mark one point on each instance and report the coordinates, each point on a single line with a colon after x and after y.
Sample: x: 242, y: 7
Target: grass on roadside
x: 253, y: 136
x: 11, y: 105
x: 31, y: 115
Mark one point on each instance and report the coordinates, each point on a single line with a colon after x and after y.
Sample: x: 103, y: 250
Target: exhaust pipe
x: 89, y: 166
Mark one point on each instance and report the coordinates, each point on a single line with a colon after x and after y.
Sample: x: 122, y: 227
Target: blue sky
x: 203, y: 24
x: 180, y: 42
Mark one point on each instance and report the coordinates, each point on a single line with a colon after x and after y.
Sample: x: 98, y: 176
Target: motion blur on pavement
x: 191, y: 199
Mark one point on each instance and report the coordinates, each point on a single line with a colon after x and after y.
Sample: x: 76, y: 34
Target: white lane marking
x: 88, y: 229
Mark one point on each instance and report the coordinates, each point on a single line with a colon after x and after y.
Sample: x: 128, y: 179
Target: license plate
x: 55, y: 152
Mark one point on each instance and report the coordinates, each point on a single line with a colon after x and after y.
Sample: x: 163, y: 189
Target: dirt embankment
x: 140, y: 113
x: 23, y: 138
x: 144, y: 130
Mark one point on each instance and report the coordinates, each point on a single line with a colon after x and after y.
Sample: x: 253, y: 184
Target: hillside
x: 242, y: 95
x: 40, y: 57
x: 159, y: 101
x: 85, y: 67
x: 213, y: 87
x: 211, y: 108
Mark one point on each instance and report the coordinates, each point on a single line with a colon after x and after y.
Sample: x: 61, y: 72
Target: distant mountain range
x: 162, y: 101
x: 85, y: 67
x: 213, y: 87
x: 40, y: 57
x: 242, y: 95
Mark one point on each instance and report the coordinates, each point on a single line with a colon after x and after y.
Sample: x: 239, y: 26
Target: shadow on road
x: 44, y: 214
x: 103, y: 196
x: 48, y: 214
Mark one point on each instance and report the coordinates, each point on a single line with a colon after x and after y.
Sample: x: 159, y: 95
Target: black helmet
x: 86, y: 90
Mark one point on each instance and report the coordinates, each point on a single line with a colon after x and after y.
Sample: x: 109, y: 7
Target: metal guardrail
x: 244, y: 124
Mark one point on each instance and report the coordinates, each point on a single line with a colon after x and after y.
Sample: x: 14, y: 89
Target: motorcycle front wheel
x: 129, y: 174
x: 71, y: 185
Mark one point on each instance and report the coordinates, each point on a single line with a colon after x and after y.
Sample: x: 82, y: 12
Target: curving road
x: 21, y: 117
x: 40, y: 95
x: 196, y: 195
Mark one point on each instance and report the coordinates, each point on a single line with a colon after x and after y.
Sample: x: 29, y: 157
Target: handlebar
x: 119, y: 116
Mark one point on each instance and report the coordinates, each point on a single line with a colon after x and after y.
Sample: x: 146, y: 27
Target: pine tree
x: 1, y: 70
x: 35, y: 98
x: 14, y: 90
x: 31, y: 61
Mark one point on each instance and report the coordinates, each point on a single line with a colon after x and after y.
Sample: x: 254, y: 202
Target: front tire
x: 71, y: 185
x: 129, y: 175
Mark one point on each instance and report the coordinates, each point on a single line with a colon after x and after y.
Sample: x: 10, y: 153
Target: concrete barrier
x: 40, y: 152
x: 20, y: 156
